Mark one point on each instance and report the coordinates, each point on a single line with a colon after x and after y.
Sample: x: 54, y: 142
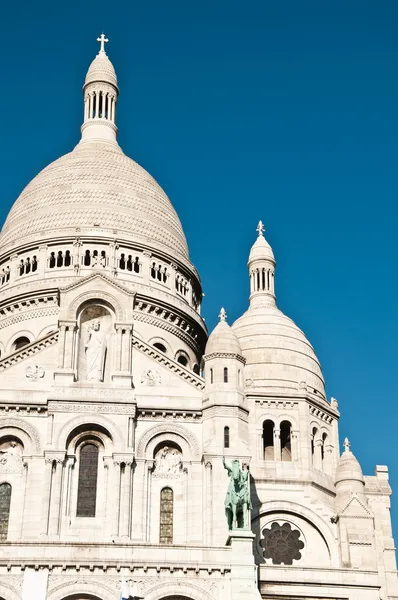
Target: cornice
x: 29, y: 350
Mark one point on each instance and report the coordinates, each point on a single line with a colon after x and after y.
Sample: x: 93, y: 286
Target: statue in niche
x: 95, y: 349
x: 168, y: 462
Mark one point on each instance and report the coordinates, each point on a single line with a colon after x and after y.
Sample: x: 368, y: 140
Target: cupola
x: 349, y: 477
x: 262, y: 271
x: 100, y: 97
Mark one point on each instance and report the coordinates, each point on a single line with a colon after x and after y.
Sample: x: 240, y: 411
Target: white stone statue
x: 95, y: 349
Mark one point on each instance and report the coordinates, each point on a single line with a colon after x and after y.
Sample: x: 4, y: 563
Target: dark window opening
x: 226, y: 437
x: 268, y: 440
x: 286, y: 447
x: 160, y: 347
x: 5, y: 503
x: 225, y: 375
x: 87, y: 485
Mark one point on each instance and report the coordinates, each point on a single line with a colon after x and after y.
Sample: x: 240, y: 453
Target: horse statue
x: 237, y: 501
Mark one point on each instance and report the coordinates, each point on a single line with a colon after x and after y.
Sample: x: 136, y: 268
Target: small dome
x: 223, y: 339
x: 101, y: 69
x: 261, y: 250
x: 348, y: 467
x: 278, y: 355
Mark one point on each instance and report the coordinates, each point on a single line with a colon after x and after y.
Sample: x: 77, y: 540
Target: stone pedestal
x: 243, y: 569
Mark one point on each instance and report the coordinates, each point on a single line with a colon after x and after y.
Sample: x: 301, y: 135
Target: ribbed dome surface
x: 95, y: 185
x: 278, y: 355
x: 348, y: 468
x: 101, y: 69
x: 223, y: 339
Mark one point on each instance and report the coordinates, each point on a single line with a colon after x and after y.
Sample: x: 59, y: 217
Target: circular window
x: 281, y: 544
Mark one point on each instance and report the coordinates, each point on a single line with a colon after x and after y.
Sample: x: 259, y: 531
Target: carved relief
x: 151, y: 377
x: 11, y: 457
x: 34, y: 372
x: 168, y: 463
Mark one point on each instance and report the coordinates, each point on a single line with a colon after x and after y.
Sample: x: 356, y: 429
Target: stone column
x: 328, y: 459
x: 149, y: 465
x: 118, y: 347
x: 69, y: 345
x: 55, y: 505
x: 125, y: 499
x: 61, y: 346
x: 318, y: 443
x: 277, y: 444
x: 260, y: 444
x: 295, y: 445
x: 46, y: 496
x: 116, y: 480
x: 209, y: 502
x: 126, y: 349
x: 70, y: 463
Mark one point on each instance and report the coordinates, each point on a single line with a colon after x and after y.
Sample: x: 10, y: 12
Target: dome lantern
x: 100, y: 97
x: 262, y: 271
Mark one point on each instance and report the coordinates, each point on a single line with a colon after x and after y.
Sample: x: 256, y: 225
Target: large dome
x: 95, y: 188
x: 278, y: 355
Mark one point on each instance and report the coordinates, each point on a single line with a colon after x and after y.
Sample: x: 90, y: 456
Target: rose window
x: 282, y: 544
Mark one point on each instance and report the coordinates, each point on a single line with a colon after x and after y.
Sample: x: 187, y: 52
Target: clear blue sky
x: 283, y: 111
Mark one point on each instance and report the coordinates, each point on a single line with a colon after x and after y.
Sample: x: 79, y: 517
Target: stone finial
x: 347, y: 445
x: 223, y: 315
x: 102, y: 40
x: 260, y: 228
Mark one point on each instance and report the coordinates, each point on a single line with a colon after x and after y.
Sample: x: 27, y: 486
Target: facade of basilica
x: 117, y: 409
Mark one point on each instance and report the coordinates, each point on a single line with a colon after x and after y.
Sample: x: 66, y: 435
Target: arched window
x: 166, y: 516
x: 313, y: 434
x: 5, y: 503
x: 211, y: 375
x: 324, y: 438
x: 225, y: 375
x: 87, y: 485
x: 160, y: 347
x: 182, y: 359
x: 286, y: 446
x: 20, y: 343
x: 226, y: 437
x: 268, y: 440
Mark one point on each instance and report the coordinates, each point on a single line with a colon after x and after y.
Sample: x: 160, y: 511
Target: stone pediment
x: 96, y: 287
x: 355, y: 508
x: 83, y: 281
x: 29, y: 350
x: 155, y: 371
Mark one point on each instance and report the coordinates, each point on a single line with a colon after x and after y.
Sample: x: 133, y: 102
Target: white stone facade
x: 115, y: 409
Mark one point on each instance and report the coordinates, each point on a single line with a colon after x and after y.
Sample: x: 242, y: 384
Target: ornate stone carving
x: 167, y: 428
x: 44, y: 342
x: 11, y: 457
x: 168, y: 463
x: 34, y: 372
x: 151, y: 377
x: 77, y: 407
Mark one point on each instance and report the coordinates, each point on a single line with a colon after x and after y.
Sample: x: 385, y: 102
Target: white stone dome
x: 348, y: 468
x: 97, y: 189
x: 277, y: 353
x: 261, y: 250
x: 223, y: 340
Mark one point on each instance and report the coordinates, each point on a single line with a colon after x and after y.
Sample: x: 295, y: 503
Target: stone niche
x: 96, y: 341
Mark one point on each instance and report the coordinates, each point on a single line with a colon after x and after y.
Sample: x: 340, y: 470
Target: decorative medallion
x: 282, y: 544
x: 34, y: 372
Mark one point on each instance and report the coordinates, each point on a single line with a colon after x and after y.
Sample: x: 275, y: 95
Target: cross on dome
x: 347, y: 445
x: 102, y: 40
x: 260, y: 228
x: 223, y: 315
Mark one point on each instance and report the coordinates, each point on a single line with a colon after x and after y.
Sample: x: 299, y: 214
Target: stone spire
x: 100, y: 97
x: 261, y: 270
